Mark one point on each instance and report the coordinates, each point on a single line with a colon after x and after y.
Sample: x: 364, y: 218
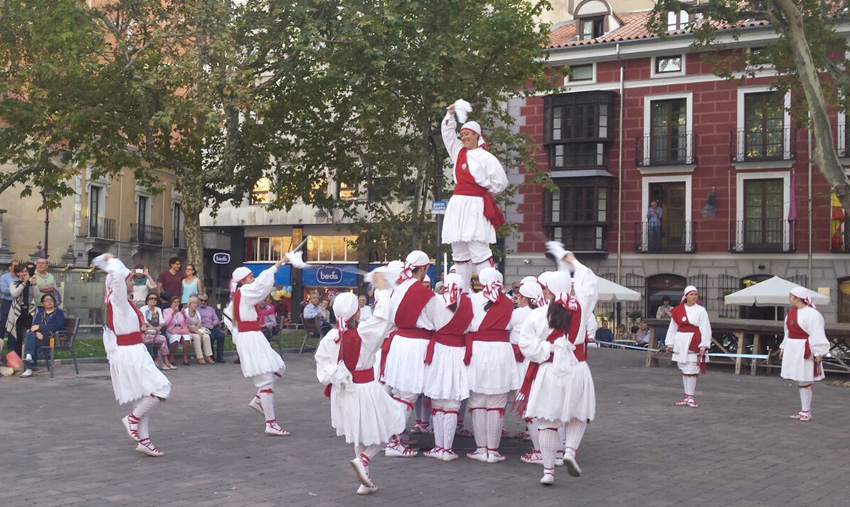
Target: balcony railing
x: 101, y: 228
x: 583, y: 238
x: 661, y: 150
x: 841, y: 145
x: 178, y: 239
x: 146, y: 234
x: 671, y: 237
x: 761, y: 145
x: 763, y: 235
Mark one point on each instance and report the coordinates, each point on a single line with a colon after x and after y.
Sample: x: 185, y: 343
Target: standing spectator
x: 45, y: 282
x: 210, y: 321
x: 171, y: 281
x: 6, y: 298
x: 22, y: 311
x: 653, y: 218
x: 604, y: 334
x: 665, y: 311
x: 200, y: 335
x: 153, y: 332
x: 178, y: 331
x: 191, y: 285
x: 365, y: 311
x: 313, y: 310
x: 642, y: 335
x: 142, y: 285
x: 46, y: 323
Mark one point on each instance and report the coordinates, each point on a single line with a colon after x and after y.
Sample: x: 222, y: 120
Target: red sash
x: 411, y: 306
x: 349, y: 354
x: 680, y: 316
x: 132, y: 338
x: 493, y: 327
x: 466, y: 185
x: 244, y: 325
x: 795, y: 332
x: 452, y: 334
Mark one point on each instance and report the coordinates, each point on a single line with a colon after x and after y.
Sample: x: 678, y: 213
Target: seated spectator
x: 210, y: 320
x: 642, y: 335
x: 665, y: 311
x: 365, y: 311
x: 153, y: 332
x: 200, y: 334
x: 604, y: 334
x: 633, y: 333
x: 313, y: 310
x: 141, y: 284
x: 327, y: 311
x: 48, y: 320
x: 621, y: 334
x: 177, y: 330
x: 268, y: 318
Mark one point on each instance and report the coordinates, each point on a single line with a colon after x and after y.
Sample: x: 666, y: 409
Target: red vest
x: 795, y: 332
x: 452, y: 334
x: 129, y: 338
x: 466, y: 185
x: 406, y: 315
x: 349, y: 354
x: 493, y: 327
x: 680, y: 317
x: 244, y: 325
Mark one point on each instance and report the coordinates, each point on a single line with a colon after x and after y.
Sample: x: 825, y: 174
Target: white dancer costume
x: 361, y: 409
x: 492, y: 365
x: 558, y: 387
x: 472, y: 214
x: 532, y: 295
x: 689, y: 332
x: 446, y: 376
x: 411, y: 311
x: 257, y: 358
x: 805, y: 339
x: 134, y: 374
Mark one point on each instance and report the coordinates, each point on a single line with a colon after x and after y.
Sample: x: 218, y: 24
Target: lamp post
x: 46, y: 194
x: 436, y: 144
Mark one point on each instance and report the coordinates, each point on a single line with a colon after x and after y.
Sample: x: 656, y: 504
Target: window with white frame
x: 666, y: 225
x: 764, y: 132
x: 668, y: 65
x: 765, y: 221
x: 581, y: 73
x: 668, y: 138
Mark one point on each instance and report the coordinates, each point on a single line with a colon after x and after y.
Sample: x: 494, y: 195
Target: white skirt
x: 465, y: 221
x: 687, y: 360
x: 795, y: 367
x: 366, y: 415
x: 446, y: 377
x: 256, y: 355
x: 176, y: 337
x: 405, y: 366
x: 562, y: 396
x: 493, y: 369
x: 134, y: 374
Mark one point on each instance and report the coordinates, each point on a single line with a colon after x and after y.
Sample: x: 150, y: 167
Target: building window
x: 581, y: 73
x: 331, y: 249
x: 677, y: 20
x: 95, y: 193
x: 143, y: 211
x: 346, y: 191
x: 669, y: 64
x: 577, y: 213
x: 668, y: 131
x: 577, y: 129
x: 260, y: 193
x: 266, y: 249
x: 764, y: 125
x: 764, y: 223
x: 592, y: 28
x: 177, y: 225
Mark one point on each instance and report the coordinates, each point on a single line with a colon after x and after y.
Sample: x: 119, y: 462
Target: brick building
x: 641, y: 119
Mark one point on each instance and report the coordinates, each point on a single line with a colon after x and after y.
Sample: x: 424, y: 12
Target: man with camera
x: 210, y: 320
x: 141, y: 284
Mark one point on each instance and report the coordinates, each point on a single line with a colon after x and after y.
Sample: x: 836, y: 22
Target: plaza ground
x: 62, y: 444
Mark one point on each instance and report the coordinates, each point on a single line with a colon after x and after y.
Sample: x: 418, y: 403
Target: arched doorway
x: 760, y: 312
x: 658, y: 286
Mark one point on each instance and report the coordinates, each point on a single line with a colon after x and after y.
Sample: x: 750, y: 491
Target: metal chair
x: 63, y: 340
x: 312, y: 328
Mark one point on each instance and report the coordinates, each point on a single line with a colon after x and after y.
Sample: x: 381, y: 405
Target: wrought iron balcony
x: 764, y: 235
x: 146, y: 234
x: 662, y: 150
x: 101, y: 228
x: 671, y: 237
x: 760, y: 145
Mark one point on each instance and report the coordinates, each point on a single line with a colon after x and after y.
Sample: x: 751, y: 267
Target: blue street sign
x: 439, y: 207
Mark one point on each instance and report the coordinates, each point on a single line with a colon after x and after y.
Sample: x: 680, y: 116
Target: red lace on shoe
x: 134, y: 425
x: 146, y: 442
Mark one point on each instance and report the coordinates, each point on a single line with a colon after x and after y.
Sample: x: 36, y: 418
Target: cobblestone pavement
x: 62, y: 444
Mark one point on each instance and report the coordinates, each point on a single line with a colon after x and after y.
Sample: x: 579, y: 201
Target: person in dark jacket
x: 48, y: 320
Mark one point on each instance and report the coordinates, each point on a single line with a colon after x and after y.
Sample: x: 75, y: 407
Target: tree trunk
x: 825, y: 155
x: 193, y: 206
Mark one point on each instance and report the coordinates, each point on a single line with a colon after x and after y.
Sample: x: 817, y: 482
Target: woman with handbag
x: 200, y: 334
x: 178, y: 331
x: 152, y: 332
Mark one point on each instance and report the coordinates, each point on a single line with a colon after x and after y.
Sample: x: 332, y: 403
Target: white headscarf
x: 415, y: 259
x: 528, y: 279
x: 345, y: 306
x: 491, y: 279
x: 454, y: 288
x: 801, y: 293
x: 559, y: 284
x: 688, y: 290
x: 473, y: 126
x: 534, y: 292
x: 238, y: 275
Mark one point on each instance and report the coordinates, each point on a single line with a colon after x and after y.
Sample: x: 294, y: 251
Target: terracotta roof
x: 633, y: 27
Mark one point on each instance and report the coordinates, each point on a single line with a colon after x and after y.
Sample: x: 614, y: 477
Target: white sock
x: 806, y: 399
x: 143, y: 427
x: 549, y: 442
x: 574, y: 431
x: 479, y: 427
x: 439, y: 428
x: 533, y: 433
x: 267, y: 401
x: 495, y: 421
x: 692, y: 384
x: 464, y: 269
x: 562, y: 437
x: 369, y: 450
x: 685, y: 384
x: 144, y: 405
x: 449, y: 428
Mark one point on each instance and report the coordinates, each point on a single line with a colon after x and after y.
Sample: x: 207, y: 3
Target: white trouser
x: 202, y: 345
x: 475, y: 251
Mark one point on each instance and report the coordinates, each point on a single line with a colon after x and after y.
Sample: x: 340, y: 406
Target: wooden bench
x: 312, y: 329
x: 63, y: 340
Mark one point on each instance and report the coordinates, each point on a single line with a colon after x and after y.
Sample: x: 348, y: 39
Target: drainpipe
x: 809, y: 207
x: 620, y: 175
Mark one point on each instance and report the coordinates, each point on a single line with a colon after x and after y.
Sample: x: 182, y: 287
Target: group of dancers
x: 454, y: 347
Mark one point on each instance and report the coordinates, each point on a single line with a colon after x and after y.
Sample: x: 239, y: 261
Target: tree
x: 134, y: 84
x: 386, y: 71
x: 808, y: 58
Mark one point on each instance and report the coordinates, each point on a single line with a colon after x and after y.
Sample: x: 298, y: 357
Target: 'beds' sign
x: 329, y: 275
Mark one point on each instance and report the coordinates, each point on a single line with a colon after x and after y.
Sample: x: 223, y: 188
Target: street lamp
x: 437, y: 144
x: 46, y: 194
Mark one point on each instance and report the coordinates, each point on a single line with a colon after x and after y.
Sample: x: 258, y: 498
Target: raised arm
x: 448, y: 129
x: 118, y: 272
x: 260, y: 288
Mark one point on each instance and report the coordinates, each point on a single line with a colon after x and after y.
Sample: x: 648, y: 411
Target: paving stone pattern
x: 61, y: 443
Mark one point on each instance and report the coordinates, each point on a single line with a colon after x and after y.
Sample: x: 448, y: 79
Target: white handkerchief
x: 462, y: 110
x: 296, y: 259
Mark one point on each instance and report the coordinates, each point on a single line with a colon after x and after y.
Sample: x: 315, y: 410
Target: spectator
x: 621, y: 334
x: 171, y: 281
x: 665, y: 311
x: 427, y: 282
x: 210, y: 321
x: 22, y: 310
x: 191, y: 285
x: 633, y: 333
x: 141, y: 285
x: 365, y: 311
x: 200, y: 335
x: 45, y: 282
x: 604, y: 334
x: 46, y: 323
x: 153, y: 331
x: 313, y: 310
x: 177, y: 329
x: 6, y: 281
x: 653, y: 218
x: 514, y: 292
x: 642, y: 335
x: 268, y: 318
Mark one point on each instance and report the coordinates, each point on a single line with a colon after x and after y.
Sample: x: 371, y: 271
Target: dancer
x: 558, y: 387
x: 530, y: 298
x: 258, y: 359
x: 689, y: 338
x: 446, y: 379
x: 472, y: 215
x: 134, y: 374
x: 361, y: 410
x: 403, y: 353
x: 492, y: 365
x: 803, y: 348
